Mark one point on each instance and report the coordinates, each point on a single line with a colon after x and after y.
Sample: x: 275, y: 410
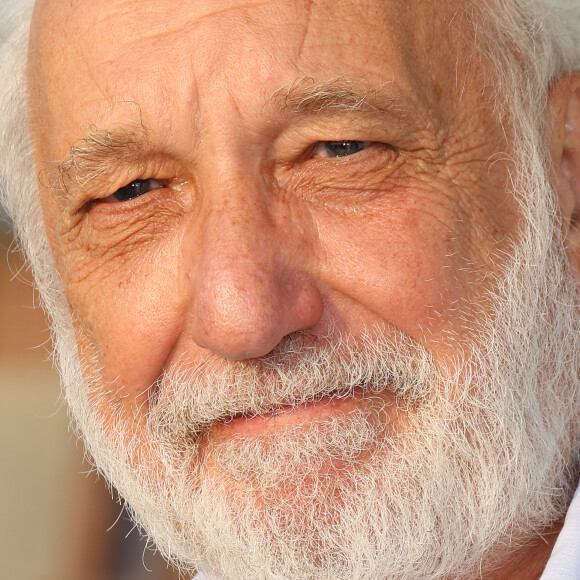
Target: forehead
x: 93, y: 61
x: 124, y: 20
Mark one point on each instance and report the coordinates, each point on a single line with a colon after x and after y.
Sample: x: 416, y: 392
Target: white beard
x: 486, y: 460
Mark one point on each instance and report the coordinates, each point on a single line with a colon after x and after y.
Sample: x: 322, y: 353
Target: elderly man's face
x: 303, y: 166
x: 224, y: 180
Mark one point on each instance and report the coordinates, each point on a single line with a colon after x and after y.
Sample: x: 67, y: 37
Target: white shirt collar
x: 564, y: 562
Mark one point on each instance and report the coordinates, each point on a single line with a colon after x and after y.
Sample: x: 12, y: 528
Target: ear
x: 563, y: 126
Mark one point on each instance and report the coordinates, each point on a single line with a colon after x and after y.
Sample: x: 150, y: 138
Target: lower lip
x: 323, y: 408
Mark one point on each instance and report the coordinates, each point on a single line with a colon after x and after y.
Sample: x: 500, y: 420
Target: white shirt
x: 564, y: 562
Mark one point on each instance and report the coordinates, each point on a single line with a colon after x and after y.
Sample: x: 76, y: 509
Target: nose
x: 250, y: 284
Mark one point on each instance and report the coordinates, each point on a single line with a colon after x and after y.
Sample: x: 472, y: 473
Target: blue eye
x: 134, y: 189
x: 339, y: 148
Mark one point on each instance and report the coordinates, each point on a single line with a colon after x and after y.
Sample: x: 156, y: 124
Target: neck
x: 528, y: 562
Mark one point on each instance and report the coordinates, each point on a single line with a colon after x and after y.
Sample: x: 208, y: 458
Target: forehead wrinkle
x: 158, y: 27
x: 245, y: 6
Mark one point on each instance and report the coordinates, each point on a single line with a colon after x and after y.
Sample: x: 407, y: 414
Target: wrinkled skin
x: 252, y: 232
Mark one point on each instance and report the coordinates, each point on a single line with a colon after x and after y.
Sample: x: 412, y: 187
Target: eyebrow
x: 91, y: 156
x: 338, y: 94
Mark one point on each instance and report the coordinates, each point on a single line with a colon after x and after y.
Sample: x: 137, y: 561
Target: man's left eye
x: 134, y: 189
x: 339, y: 148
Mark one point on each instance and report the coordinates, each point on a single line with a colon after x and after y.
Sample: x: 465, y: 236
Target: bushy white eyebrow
x: 99, y: 151
x: 306, y: 95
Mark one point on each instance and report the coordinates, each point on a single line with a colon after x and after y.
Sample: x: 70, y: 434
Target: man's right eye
x: 133, y: 189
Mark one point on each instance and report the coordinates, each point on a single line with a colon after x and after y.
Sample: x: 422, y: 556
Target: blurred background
x: 58, y: 522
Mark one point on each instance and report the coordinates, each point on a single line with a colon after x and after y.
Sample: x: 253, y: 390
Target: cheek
x: 404, y: 268
x: 129, y: 315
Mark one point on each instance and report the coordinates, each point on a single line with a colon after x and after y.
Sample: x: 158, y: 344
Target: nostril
x: 238, y: 337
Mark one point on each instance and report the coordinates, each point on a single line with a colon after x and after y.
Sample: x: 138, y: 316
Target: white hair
x: 19, y: 193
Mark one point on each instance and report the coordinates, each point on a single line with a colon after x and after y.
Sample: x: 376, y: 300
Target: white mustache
x: 191, y: 398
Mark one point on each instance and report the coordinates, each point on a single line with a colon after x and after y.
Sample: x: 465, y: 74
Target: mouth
x: 291, y: 415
